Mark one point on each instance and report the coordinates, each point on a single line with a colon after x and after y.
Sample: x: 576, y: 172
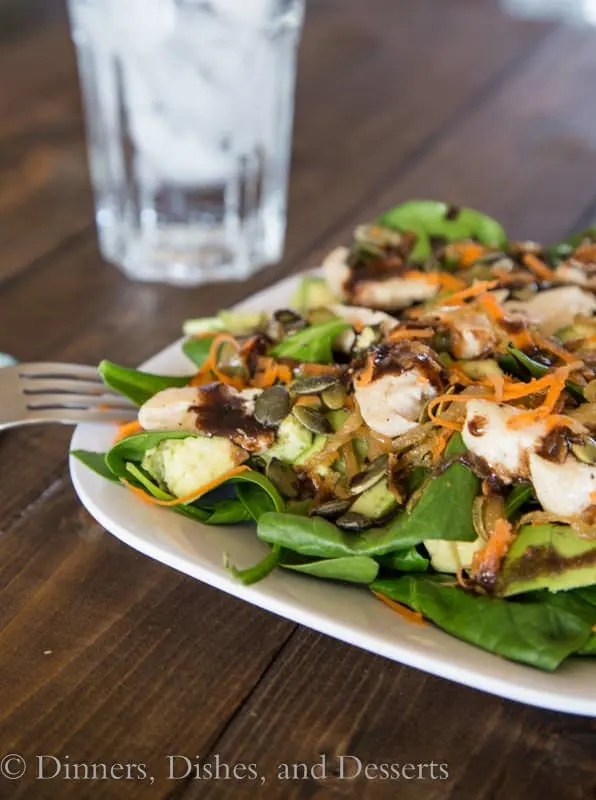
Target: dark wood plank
x: 109, y: 656
x: 325, y: 698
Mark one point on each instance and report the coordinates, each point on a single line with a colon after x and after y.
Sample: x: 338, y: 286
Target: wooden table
x: 108, y: 657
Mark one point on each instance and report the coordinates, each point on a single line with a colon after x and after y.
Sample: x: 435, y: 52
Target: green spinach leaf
x: 95, y: 462
x: 518, y: 496
x: 313, y: 344
x: 409, y: 560
x: 428, y: 218
x: 533, y: 632
x: 259, y: 570
x: 136, y: 385
x: 537, y: 370
x: 353, y: 569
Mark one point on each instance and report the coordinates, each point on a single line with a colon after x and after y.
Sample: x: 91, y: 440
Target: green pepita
x: 272, y: 406
x: 314, y: 384
x: 312, y: 419
x: 284, y: 478
x: 334, y: 397
x: 370, y: 476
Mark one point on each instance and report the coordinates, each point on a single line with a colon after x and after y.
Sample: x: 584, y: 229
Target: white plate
x: 347, y: 613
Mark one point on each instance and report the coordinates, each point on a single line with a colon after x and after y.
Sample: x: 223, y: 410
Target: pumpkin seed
x: 370, y: 476
x: 334, y: 397
x: 585, y: 452
x: 272, y: 406
x: 314, y: 384
x: 354, y: 522
x: 312, y: 419
x: 284, y: 477
x: 289, y: 319
x: 332, y: 508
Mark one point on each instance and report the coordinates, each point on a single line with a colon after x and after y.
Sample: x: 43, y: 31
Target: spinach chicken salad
x: 420, y: 420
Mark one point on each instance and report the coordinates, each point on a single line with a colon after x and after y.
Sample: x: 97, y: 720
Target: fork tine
x: 92, y: 402
x: 51, y: 369
x: 74, y: 416
x: 39, y: 385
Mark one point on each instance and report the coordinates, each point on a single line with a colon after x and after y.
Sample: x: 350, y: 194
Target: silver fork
x: 66, y: 393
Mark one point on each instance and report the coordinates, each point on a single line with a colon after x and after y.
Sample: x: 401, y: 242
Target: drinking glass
x: 188, y: 107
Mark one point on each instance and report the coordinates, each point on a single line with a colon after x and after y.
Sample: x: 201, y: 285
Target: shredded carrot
x: 439, y: 445
x: 522, y: 339
x: 364, y: 377
x: 127, y: 430
x: 554, y: 386
x: 410, y: 333
x: 267, y: 373
x: 467, y: 252
x: 442, y: 279
x: 284, y: 373
x: 406, y: 613
x: 489, y: 558
x: 318, y: 369
x: 187, y: 498
x: 210, y: 365
x: 557, y: 421
x: 593, y: 499
x: 538, y: 267
x: 478, y: 288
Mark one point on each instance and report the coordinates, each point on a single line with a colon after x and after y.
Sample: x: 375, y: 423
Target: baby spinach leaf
x: 534, y: 632
x: 589, y: 649
x: 133, y: 448
x: 146, y: 482
x: 409, y: 560
x: 444, y: 510
x: 428, y: 218
x: 313, y: 344
x: 518, y: 496
x: 259, y: 570
x: 136, y: 385
x: 96, y: 462
x: 228, y: 511
x: 353, y: 569
x: 197, y: 349
x: 264, y: 485
x: 256, y: 501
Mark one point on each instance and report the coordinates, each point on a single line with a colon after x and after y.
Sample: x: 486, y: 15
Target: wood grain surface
x: 108, y: 657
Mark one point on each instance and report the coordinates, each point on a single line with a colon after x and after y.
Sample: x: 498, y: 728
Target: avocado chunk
x: 450, y: 556
x: 580, y: 329
x: 312, y: 292
x: 182, y: 465
x: 292, y: 440
x: 480, y: 368
x: 550, y: 557
x: 375, y: 502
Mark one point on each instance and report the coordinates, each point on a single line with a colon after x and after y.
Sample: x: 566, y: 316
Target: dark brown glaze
x: 452, y: 212
x: 477, y: 425
x: 392, y: 264
x: 395, y: 358
x: 221, y: 412
x: 545, y: 560
x: 254, y: 347
x: 555, y: 445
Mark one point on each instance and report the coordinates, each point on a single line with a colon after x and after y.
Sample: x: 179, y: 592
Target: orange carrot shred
x: 187, y: 498
x: 478, y: 288
x: 128, y: 429
x: 410, y: 333
x: 489, y: 558
x: 467, y: 252
x: 406, y: 613
x: 538, y: 267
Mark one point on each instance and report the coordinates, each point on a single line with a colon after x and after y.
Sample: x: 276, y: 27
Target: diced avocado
x: 195, y: 327
x: 577, y: 330
x: 550, y: 557
x: 183, y: 465
x: 240, y: 323
x: 482, y: 368
x: 312, y: 292
x: 375, y: 502
x: 316, y: 447
x: 292, y: 440
x: 447, y: 556
x: 337, y: 418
